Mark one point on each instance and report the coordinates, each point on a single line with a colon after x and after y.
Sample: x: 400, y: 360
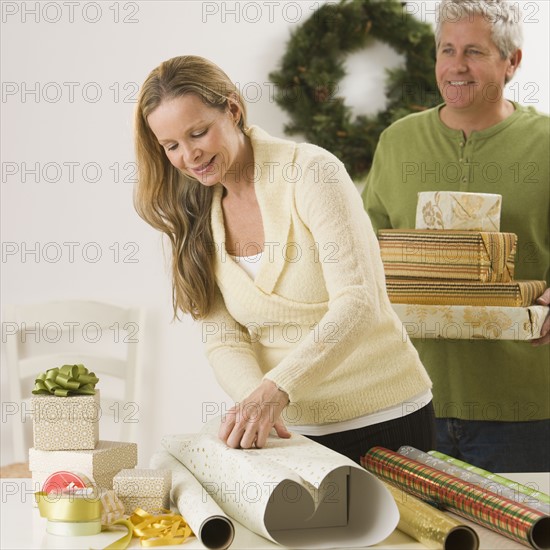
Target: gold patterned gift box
x: 466, y: 293
x: 100, y: 464
x: 471, y: 322
x: 456, y: 210
x: 143, y: 488
x: 65, y: 423
x: 466, y: 255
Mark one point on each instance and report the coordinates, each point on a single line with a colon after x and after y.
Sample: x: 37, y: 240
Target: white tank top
x: 251, y: 264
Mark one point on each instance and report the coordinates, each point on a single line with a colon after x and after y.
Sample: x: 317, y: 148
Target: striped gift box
x: 464, y: 293
x: 466, y: 255
x: 529, y: 527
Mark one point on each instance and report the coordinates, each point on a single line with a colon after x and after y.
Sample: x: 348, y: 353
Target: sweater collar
x: 274, y: 174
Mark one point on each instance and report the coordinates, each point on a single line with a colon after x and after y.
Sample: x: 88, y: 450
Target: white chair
x: 105, y: 338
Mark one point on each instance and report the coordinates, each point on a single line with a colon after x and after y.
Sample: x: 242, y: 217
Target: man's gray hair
x: 504, y: 17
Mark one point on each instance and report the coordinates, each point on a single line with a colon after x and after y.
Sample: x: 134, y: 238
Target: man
x: 491, y: 397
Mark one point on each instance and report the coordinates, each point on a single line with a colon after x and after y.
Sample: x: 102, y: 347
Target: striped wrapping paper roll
x: 465, y: 293
x: 466, y: 255
x: 524, y: 525
x: 472, y: 477
x: 523, y: 489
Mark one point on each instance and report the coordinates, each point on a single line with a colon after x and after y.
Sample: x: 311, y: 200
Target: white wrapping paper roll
x: 294, y: 491
x: 207, y: 520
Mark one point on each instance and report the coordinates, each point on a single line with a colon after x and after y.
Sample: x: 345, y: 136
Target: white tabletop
x: 22, y: 527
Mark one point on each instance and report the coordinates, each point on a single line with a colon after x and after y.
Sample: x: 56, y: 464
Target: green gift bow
x: 66, y: 380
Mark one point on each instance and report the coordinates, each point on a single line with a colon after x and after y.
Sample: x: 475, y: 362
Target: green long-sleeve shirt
x: 475, y: 380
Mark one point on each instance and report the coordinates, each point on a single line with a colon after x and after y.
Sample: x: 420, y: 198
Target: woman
x: 273, y: 252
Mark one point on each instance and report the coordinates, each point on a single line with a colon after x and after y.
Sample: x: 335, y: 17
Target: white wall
x: 85, y: 76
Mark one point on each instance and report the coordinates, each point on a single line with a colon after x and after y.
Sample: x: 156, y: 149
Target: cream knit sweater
x: 316, y: 320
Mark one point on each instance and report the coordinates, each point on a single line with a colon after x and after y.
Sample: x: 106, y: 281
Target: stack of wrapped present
x: 453, y: 275
x: 84, y: 484
x: 66, y: 414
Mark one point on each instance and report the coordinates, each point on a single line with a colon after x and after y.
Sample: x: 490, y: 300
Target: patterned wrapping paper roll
x: 431, y: 527
x: 523, y: 489
x: 524, y: 525
x: 472, y: 477
x: 464, y: 293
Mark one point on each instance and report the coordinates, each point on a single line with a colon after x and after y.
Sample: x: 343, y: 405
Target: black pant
x: 416, y: 429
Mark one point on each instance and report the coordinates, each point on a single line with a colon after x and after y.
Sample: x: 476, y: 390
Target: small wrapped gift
x: 456, y: 210
x: 466, y: 255
x: 66, y: 409
x: 471, y: 322
x: 100, y: 464
x: 143, y: 488
x: 465, y: 293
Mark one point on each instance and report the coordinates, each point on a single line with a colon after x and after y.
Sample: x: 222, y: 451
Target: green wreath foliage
x: 313, y: 65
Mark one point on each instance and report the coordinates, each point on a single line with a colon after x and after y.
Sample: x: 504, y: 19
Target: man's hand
x: 248, y: 424
x: 544, y: 300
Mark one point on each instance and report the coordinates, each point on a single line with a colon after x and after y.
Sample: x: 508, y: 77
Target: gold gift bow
x: 161, y: 530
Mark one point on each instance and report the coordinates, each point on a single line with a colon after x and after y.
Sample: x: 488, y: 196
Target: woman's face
x: 203, y: 142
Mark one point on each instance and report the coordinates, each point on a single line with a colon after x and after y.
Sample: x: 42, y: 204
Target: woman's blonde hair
x: 169, y: 200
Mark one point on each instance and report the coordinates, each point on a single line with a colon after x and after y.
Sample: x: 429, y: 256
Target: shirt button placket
x: 463, y: 185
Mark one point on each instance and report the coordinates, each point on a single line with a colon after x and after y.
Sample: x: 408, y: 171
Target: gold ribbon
x: 66, y: 380
x: 123, y: 542
x: 161, y: 530
x: 73, y: 514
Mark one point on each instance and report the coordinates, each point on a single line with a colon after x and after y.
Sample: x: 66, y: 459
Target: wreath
x: 313, y: 65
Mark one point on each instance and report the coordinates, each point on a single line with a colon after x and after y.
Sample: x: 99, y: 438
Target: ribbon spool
x: 82, y: 512
x: 73, y: 513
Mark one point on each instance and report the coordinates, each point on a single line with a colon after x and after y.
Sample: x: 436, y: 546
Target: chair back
x: 105, y: 338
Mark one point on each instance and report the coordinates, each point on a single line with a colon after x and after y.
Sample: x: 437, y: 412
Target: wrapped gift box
x: 471, y: 322
x: 143, y: 488
x: 456, y: 210
x: 100, y: 464
x: 466, y: 293
x: 467, y: 255
x: 65, y: 423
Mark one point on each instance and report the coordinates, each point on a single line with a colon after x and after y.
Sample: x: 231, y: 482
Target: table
x: 21, y: 526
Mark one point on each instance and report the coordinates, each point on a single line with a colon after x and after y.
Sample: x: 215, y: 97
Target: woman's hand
x: 544, y: 300
x: 248, y: 424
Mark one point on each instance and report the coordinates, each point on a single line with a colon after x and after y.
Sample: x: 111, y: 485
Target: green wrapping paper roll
x: 524, y: 525
x: 523, y: 489
x: 430, y: 526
